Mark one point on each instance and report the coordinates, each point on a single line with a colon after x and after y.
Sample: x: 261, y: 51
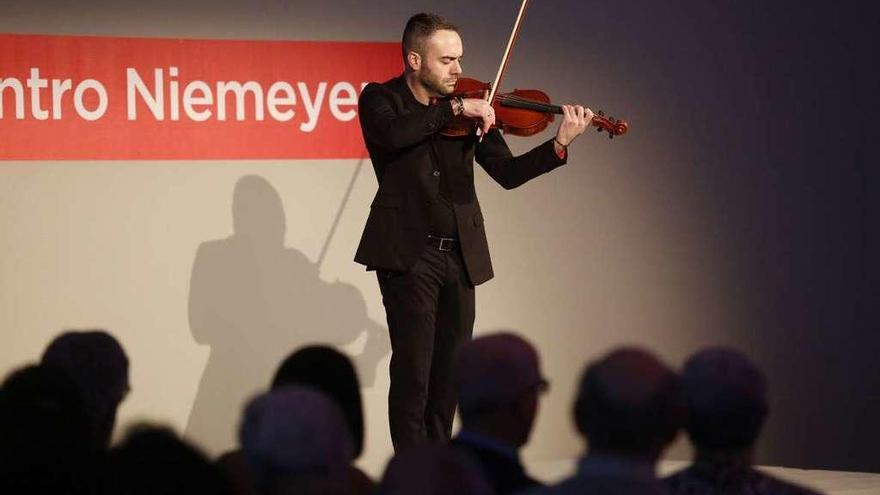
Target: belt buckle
x: 445, y: 239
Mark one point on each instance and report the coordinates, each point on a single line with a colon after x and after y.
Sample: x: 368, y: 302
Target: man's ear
x: 414, y: 60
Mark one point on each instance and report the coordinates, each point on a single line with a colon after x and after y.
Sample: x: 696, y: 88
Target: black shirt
x: 445, y: 151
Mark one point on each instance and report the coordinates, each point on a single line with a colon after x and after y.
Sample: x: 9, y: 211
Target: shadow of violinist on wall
x: 253, y: 301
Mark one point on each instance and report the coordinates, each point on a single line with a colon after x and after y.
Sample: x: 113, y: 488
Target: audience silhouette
x: 45, y: 434
x: 303, y: 434
x: 98, y: 364
x: 153, y: 460
x: 331, y: 373
x: 431, y: 469
x: 629, y: 409
x: 295, y: 440
x: 726, y: 401
x: 498, y: 379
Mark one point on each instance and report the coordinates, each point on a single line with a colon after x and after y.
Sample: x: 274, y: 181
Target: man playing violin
x: 424, y: 236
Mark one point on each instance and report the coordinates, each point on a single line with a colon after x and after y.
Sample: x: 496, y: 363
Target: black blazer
x: 400, y: 143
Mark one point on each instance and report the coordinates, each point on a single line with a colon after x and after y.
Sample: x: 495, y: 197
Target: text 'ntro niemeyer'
x: 166, y: 96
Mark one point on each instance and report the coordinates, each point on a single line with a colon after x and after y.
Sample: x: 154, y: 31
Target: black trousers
x: 430, y: 312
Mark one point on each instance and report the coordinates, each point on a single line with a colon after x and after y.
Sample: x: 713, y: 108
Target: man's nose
x: 456, y: 67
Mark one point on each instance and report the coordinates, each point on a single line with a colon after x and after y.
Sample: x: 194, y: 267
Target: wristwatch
x: 457, y: 105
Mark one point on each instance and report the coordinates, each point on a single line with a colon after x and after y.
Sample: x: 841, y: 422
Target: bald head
x: 294, y: 430
x: 628, y: 402
x: 493, y: 371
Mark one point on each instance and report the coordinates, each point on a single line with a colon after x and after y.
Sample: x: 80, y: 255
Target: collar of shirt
x: 486, y: 442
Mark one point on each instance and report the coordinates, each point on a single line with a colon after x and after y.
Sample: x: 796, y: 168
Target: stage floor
x: 829, y: 482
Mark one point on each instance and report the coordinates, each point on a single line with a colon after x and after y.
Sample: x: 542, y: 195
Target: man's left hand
x: 575, y: 121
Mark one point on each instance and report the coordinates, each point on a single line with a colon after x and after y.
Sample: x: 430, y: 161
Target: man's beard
x: 434, y: 83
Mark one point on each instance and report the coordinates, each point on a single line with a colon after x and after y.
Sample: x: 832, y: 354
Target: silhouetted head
x: 629, y: 404
x: 98, y: 364
x: 726, y: 400
x: 332, y: 373
x: 257, y: 212
x: 498, y: 379
x: 44, y: 432
x: 294, y: 431
x: 152, y: 460
x: 432, y: 469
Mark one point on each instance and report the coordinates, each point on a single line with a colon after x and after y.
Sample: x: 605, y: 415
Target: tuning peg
x: 610, y: 135
x: 598, y: 129
x: 600, y: 112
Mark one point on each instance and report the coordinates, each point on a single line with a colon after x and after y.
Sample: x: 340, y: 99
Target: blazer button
x: 436, y: 173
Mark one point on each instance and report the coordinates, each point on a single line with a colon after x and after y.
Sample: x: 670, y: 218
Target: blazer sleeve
x: 511, y: 171
x: 384, y: 126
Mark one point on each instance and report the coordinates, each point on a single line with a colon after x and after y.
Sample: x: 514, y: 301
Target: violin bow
x: 610, y: 124
x: 335, y: 224
x: 504, y: 59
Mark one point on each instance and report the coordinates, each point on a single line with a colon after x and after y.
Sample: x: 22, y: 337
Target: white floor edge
x: 829, y: 482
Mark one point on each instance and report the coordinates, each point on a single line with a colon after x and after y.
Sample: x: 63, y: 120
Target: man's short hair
x: 419, y: 28
x: 629, y: 402
x: 726, y: 399
x: 95, y: 359
x: 99, y: 366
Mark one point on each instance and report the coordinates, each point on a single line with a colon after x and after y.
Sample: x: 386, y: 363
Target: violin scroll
x: 614, y: 127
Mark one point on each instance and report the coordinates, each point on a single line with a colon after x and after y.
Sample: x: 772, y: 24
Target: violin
x: 522, y: 112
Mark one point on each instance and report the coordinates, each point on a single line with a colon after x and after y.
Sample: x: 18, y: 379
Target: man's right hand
x: 481, y: 110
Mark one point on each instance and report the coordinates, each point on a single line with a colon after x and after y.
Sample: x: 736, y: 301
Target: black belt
x: 442, y: 243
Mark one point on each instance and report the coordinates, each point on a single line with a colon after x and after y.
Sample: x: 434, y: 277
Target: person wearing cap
x: 498, y: 379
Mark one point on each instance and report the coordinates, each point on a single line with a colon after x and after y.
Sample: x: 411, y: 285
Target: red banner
x: 100, y: 98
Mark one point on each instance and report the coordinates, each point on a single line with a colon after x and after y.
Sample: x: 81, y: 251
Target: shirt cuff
x: 554, y: 159
x: 562, y: 154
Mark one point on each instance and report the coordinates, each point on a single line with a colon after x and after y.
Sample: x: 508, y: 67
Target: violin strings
x: 513, y: 100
